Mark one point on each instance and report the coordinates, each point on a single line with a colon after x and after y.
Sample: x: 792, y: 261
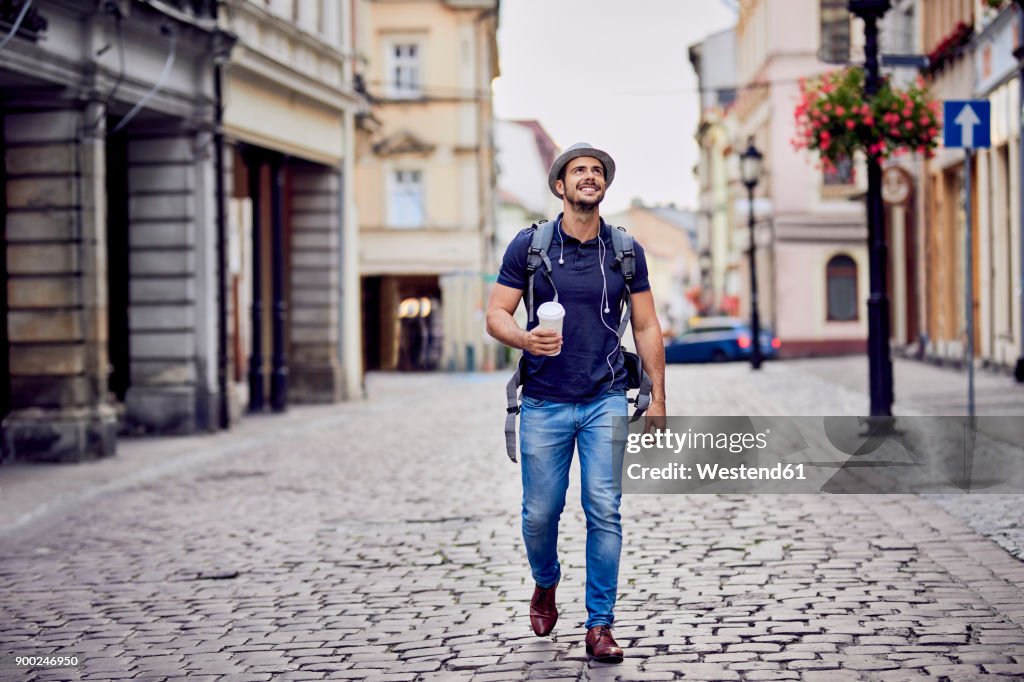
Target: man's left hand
x: 654, y: 418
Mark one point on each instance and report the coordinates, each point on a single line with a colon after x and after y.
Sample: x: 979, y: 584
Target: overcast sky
x: 615, y: 74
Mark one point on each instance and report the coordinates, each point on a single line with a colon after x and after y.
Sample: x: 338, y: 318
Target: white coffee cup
x: 550, y: 315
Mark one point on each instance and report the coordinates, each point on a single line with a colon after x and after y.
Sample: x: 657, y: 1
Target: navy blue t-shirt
x: 581, y: 372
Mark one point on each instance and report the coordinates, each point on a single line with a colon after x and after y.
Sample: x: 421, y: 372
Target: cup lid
x: 551, y: 309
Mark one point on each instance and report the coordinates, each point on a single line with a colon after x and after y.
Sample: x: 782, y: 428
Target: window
x: 406, y: 199
x: 841, y: 276
x: 404, y: 70
x: 835, y: 32
x: 842, y: 175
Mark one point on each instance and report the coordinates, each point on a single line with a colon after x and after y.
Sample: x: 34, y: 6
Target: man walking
x: 575, y: 384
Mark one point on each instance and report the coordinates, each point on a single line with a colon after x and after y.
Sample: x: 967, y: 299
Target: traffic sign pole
x: 966, y: 124
x: 969, y: 269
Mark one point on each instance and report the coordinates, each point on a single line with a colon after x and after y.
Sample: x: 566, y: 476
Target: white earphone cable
x: 561, y: 248
x: 604, y: 307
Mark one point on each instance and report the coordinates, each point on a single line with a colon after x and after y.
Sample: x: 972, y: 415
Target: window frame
x: 393, y: 61
x: 829, y: 276
x: 394, y: 185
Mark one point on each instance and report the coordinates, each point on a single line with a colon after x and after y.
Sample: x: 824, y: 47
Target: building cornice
x: 286, y: 56
x: 274, y: 73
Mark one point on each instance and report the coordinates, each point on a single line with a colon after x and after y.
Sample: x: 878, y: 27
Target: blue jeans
x: 548, y: 433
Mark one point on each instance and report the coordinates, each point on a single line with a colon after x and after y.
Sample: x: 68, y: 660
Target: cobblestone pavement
x: 380, y: 540
x: 922, y: 388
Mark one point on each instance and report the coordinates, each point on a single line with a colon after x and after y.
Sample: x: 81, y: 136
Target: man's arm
x: 651, y: 348
x: 502, y: 326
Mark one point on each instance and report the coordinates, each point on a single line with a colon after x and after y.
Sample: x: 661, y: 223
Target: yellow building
x: 425, y: 181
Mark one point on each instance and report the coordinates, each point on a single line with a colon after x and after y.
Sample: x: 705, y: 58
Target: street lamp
x: 750, y: 173
x: 879, y: 359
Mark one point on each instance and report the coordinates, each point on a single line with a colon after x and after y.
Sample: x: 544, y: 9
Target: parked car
x: 718, y: 339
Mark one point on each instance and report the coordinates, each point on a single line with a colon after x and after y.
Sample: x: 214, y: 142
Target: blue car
x: 719, y: 339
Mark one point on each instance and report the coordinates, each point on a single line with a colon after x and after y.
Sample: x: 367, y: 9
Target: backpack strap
x: 622, y: 242
x: 537, y: 256
x: 536, y: 259
x: 625, y: 256
x: 512, y: 409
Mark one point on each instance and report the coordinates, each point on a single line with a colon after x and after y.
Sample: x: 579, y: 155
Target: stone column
x: 351, y: 304
x: 314, y: 371
x: 173, y: 341
x: 55, y: 167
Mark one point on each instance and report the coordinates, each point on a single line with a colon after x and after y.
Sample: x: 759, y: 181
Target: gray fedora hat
x: 574, y: 152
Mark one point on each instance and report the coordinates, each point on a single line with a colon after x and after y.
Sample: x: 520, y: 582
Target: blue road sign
x: 966, y: 123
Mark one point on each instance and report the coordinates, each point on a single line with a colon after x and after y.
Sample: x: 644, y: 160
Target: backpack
x: 537, y: 260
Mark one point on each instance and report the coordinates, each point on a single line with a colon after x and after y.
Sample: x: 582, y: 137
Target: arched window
x: 841, y: 284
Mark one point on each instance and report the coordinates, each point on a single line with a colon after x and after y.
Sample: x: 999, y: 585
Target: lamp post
x: 879, y: 359
x: 750, y: 172
x: 1018, y: 371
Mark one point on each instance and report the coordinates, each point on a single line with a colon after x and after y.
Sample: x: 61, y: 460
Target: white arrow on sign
x: 967, y: 119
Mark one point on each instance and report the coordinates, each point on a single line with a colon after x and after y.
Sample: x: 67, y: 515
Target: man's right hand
x: 541, y: 341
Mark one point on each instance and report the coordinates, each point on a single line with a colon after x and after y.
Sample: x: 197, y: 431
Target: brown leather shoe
x: 543, y: 612
x: 601, y: 645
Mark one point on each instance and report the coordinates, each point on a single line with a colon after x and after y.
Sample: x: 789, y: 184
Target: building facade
x: 290, y: 105
x: 811, y: 237
x: 179, y: 242
x: 719, y: 239
x: 108, y: 224
x: 426, y: 182
x: 971, y: 45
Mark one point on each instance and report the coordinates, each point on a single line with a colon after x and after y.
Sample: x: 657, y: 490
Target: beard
x: 584, y: 204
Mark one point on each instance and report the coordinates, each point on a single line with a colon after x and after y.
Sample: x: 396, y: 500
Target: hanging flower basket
x: 834, y: 119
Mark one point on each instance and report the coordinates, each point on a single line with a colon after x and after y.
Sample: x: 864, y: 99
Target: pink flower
x: 895, y: 132
x: 909, y: 125
x: 840, y: 111
x: 869, y: 120
x: 827, y: 107
x: 924, y: 120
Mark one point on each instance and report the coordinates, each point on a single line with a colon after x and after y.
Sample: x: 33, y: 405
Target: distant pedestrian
x: 575, y: 385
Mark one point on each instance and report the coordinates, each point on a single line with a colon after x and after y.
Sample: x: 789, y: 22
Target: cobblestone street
x: 380, y: 540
